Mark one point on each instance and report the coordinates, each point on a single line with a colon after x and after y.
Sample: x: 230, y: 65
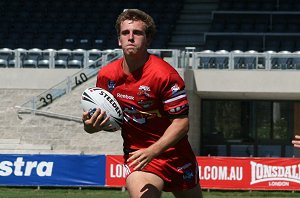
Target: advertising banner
x: 232, y: 173
x: 249, y: 173
x: 115, y: 171
x: 52, y: 170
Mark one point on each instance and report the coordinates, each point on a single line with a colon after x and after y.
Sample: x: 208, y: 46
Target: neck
x: 131, y: 63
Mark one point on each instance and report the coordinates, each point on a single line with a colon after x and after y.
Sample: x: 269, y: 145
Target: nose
x: 131, y: 37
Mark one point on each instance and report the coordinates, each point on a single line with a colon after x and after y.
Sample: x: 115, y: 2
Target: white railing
x: 67, y: 85
x: 244, y: 60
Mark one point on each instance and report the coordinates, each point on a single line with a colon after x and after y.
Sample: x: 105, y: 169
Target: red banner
x: 229, y: 173
x: 115, y: 171
x: 249, y: 173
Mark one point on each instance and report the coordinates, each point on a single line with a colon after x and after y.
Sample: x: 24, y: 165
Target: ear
x: 119, y: 42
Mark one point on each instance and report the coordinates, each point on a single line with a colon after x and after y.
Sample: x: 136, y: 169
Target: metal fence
x: 249, y: 60
x: 93, y: 60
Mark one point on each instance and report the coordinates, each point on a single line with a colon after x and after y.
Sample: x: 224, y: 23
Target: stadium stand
x: 77, y: 24
x: 273, y: 22
x: 73, y: 34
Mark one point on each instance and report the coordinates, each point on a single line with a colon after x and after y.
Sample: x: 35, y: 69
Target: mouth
x: 130, y: 45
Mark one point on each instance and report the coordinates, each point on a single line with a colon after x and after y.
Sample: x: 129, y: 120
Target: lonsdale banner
x: 230, y: 173
x: 249, y: 173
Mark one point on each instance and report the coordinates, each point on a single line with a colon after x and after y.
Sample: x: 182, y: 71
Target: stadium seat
x: 31, y: 58
x: 76, y: 59
x: 225, y: 44
x: 287, y: 45
x: 5, y: 55
x: 268, y: 5
x: 21, y: 53
x: 239, y: 44
x: 255, y: 44
x: 222, y: 59
x: 206, y: 61
x: 217, y: 26
x: 293, y: 27
x: 281, y: 62
x: 272, y: 44
x: 211, y: 44
x: 250, y: 61
x: 84, y: 43
x: 238, y: 61
x: 44, y: 60
x: 296, y: 61
x: 261, y: 27
x: 61, y: 58
x: 246, y: 27
x: 93, y: 55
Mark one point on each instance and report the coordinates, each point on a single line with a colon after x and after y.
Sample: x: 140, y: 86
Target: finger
x: 106, y: 119
x: 85, y: 116
x: 134, y: 163
x: 98, y: 117
x: 295, y: 142
x: 133, y: 156
x: 140, y: 166
x: 93, y: 118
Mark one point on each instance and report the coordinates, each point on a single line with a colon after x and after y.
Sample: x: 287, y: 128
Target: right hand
x: 296, y: 141
x: 95, y: 123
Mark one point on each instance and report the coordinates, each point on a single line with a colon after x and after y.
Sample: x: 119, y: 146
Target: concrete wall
x: 248, y: 84
x: 25, y: 78
x: 33, y: 134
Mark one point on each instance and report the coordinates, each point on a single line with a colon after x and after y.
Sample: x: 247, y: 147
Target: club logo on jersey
x: 144, y: 90
x: 188, y: 175
x: 175, y: 88
x: 139, y: 117
x: 145, y: 104
x: 111, y: 85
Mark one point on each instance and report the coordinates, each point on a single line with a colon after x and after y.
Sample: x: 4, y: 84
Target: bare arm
x: 174, y: 133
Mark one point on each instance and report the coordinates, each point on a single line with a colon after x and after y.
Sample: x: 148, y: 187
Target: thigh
x: 191, y: 193
x: 143, y: 184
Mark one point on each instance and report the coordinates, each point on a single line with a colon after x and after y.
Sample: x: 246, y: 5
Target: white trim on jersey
x: 173, y: 99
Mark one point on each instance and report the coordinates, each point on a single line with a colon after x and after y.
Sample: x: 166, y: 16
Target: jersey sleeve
x: 100, y: 80
x: 174, y: 97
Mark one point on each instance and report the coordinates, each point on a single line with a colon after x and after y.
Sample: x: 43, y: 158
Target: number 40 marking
x: 82, y: 78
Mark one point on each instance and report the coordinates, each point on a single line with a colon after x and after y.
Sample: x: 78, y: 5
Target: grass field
x: 24, y: 192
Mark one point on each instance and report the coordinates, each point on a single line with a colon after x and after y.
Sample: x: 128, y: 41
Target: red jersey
x: 149, y: 97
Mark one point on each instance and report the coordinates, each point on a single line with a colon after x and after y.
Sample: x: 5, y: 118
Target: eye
x: 125, y: 32
x: 138, y: 32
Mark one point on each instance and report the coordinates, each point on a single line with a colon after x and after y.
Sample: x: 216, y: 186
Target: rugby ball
x: 95, y: 97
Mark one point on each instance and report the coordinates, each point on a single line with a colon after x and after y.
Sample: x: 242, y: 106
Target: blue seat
x: 76, y: 59
x: 31, y: 58
x: 61, y: 58
x: 5, y: 56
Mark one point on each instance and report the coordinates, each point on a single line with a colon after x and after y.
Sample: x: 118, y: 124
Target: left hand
x: 140, y: 158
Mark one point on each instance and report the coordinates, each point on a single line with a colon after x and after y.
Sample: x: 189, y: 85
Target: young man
x: 157, y: 154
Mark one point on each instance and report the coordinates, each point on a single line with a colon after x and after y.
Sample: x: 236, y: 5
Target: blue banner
x: 52, y: 170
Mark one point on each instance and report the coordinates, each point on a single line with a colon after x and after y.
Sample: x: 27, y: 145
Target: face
x: 132, y: 37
